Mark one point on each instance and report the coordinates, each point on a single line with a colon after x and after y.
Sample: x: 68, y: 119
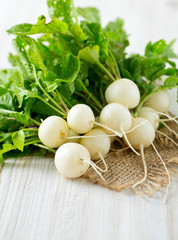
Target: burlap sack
x: 125, y: 168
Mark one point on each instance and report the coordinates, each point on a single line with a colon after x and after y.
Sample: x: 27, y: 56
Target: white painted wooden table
x: 36, y: 202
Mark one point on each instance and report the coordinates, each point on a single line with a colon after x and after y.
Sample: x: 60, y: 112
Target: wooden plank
x: 38, y: 203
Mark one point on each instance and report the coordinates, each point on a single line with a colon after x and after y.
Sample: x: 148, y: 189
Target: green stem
x: 44, y: 91
x: 67, y: 101
x: 32, y: 142
x: 91, y: 96
x: 30, y: 129
x: 44, y: 147
x: 102, y: 95
x: 62, y: 101
x: 51, y: 106
x: 113, y: 71
x: 103, y: 77
x: 36, y: 122
x: 105, y: 71
x: 92, y: 104
x: 116, y: 65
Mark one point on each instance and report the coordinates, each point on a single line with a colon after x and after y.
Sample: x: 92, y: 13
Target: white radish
x: 81, y: 118
x: 97, y: 120
x: 97, y: 146
x: 151, y: 115
x: 142, y: 135
x: 53, y: 131
x: 71, y: 160
x: 112, y: 139
x: 123, y: 91
x: 71, y: 135
x: 117, y: 117
x: 159, y: 101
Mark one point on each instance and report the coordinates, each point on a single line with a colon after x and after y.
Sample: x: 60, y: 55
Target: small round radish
x: 98, y: 144
x: 112, y: 138
x: 143, y: 135
x: 53, y: 131
x: 117, y: 117
x: 151, y: 115
x: 70, y: 160
x: 123, y: 91
x: 159, y: 101
x: 81, y: 118
x: 73, y: 134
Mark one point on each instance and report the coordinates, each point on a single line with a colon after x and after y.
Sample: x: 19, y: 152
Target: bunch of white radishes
x: 83, y: 138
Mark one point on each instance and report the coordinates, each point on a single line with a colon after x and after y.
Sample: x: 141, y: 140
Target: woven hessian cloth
x: 125, y: 168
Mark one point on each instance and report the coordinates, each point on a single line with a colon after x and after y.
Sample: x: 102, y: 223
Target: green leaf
x: 165, y: 72
x: 64, y: 10
x: 118, y: 38
x: 96, y: 36
x: 3, y: 77
x: 16, y: 77
x: 14, y: 153
x: 35, y: 57
x: 90, y: 55
x: 160, y: 49
x: 49, y: 80
x: 151, y: 66
x: 67, y: 89
x: 77, y: 32
x: 54, y: 26
x: 18, y: 116
x: 18, y: 139
x: 6, y: 148
x: 89, y: 13
x: 49, y: 58
x: 8, y: 124
x: 171, y: 82
x: 20, y: 28
x: 6, y: 98
x: 19, y: 45
x: 42, y: 110
x: 69, y: 68
x: 4, y: 136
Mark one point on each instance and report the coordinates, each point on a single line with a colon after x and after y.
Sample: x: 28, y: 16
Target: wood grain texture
x: 36, y: 202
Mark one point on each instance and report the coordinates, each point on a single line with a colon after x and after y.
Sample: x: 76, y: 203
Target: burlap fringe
x: 125, y: 168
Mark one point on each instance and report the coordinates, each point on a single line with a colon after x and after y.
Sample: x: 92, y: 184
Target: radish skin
x: 73, y: 134
x: 142, y: 135
x: 81, y: 118
x: 159, y: 101
x: 97, y: 145
x: 123, y: 91
x: 117, y: 117
x: 53, y: 131
x: 70, y: 160
x: 97, y: 120
x: 151, y: 115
